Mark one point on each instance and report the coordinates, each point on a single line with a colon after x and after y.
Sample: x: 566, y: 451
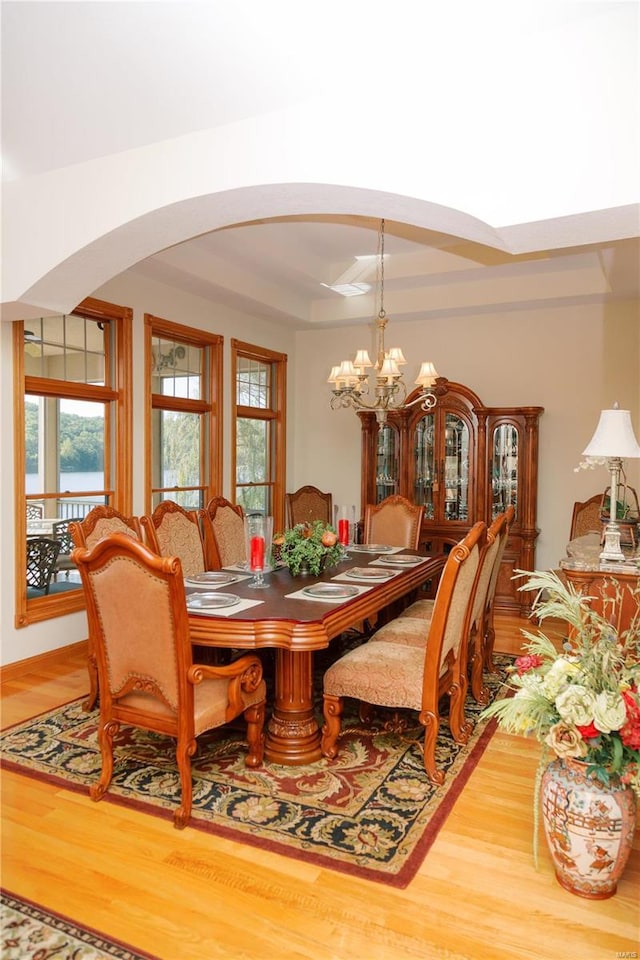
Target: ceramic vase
x: 589, y: 828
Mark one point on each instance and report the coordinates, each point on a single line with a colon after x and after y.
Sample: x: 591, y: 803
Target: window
x: 259, y: 429
x: 184, y: 383
x: 73, y: 413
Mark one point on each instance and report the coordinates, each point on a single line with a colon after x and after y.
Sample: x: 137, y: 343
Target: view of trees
x: 81, y: 442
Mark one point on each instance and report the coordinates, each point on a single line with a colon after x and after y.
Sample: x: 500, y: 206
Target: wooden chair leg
x: 106, y: 733
x: 431, y: 723
x: 92, y: 669
x: 185, y: 749
x: 254, y: 717
x: 332, y: 708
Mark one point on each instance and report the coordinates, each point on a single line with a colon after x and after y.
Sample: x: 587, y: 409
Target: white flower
x: 576, y: 705
x: 609, y: 712
x: 558, y: 676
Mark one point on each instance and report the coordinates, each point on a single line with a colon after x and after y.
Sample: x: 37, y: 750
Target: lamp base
x: 611, y: 548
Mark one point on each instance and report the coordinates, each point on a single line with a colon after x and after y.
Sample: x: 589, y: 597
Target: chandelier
x: 385, y: 389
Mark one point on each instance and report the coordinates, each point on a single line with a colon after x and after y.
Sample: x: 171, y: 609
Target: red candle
x: 343, y: 532
x: 257, y: 553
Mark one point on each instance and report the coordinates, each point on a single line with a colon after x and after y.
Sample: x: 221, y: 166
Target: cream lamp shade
x: 614, y: 436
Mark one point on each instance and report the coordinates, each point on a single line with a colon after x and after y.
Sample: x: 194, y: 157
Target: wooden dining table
x: 296, y: 627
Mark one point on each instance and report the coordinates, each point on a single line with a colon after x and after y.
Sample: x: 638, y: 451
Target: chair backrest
x: 42, y: 554
x: 136, y: 608
x: 586, y: 517
x: 35, y: 511
x: 60, y: 532
x: 395, y: 521
x: 223, y: 528
x: 172, y: 531
x: 101, y: 522
x: 500, y: 528
x: 306, y: 504
x: 455, y: 597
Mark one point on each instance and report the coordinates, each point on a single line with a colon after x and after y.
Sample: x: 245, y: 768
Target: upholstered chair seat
x: 386, y: 674
x: 408, y: 630
x: 421, y: 609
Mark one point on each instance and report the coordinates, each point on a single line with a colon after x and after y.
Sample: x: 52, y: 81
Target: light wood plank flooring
x: 188, y: 896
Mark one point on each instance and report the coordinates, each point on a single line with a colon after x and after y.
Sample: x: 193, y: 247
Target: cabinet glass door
x: 424, y: 467
x: 504, y: 469
x: 455, y: 468
x: 387, y: 463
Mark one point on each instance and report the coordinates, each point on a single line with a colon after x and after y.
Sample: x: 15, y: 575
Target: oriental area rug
x: 31, y: 933
x: 371, y: 812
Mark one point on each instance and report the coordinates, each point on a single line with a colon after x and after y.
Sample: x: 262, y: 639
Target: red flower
x: 529, y: 662
x: 589, y: 731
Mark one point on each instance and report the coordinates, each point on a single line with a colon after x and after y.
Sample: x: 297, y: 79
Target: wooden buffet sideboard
x: 615, y: 596
x: 464, y: 462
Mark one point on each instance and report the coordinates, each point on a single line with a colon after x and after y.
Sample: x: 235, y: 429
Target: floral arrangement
x: 312, y: 545
x: 583, y: 701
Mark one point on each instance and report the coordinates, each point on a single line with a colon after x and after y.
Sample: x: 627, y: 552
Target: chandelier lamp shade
x: 380, y: 386
x: 613, y: 441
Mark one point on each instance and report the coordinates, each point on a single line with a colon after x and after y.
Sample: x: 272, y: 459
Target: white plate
x: 369, y: 573
x: 372, y: 548
x: 402, y: 558
x: 210, y: 578
x: 332, y: 591
x: 204, y: 602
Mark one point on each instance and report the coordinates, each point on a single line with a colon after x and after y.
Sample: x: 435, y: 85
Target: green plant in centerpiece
x: 313, y: 546
x: 581, y: 702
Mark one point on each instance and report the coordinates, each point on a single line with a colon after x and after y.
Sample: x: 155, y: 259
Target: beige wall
x: 572, y: 361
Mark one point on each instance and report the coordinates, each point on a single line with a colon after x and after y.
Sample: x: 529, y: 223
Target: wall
x: 573, y: 361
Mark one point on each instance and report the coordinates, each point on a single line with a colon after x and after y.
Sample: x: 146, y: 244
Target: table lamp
x: 614, y: 440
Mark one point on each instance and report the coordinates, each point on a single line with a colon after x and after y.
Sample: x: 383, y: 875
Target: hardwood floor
x: 184, y: 895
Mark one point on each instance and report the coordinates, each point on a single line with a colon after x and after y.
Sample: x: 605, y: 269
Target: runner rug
x: 371, y: 812
x: 31, y: 933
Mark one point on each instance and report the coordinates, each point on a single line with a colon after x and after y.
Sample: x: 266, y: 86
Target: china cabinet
x: 465, y: 462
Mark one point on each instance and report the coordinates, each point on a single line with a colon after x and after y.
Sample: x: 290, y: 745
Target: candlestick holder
x: 258, y: 534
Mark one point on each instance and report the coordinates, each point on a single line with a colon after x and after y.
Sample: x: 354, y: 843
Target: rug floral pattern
x: 371, y: 812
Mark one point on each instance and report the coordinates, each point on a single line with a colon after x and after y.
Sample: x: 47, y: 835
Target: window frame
x: 119, y: 435
x: 209, y: 406
x: 275, y: 414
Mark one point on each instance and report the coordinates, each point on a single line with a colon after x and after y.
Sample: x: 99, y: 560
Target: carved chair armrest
x: 244, y: 675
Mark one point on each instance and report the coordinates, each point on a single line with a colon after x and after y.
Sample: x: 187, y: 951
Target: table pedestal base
x: 293, y: 735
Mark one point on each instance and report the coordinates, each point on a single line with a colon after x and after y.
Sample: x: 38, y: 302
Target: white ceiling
x: 83, y: 80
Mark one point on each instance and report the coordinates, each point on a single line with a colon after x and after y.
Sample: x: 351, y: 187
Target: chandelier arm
x: 427, y: 401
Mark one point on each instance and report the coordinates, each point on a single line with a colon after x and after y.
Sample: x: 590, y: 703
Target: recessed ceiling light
x: 348, y: 289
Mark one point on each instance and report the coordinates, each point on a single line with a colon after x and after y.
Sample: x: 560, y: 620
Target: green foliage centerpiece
x: 309, y: 547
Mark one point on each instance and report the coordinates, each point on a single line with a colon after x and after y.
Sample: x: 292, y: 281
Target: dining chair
x: 35, y: 511
x: 60, y: 532
x: 101, y: 521
x: 42, y: 554
x: 223, y: 531
x: 172, y: 531
x: 586, y: 517
x: 481, y: 634
x: 306, y: 504
x: 137, y: 612
x: 399, y: 675
x: 394, y: 521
